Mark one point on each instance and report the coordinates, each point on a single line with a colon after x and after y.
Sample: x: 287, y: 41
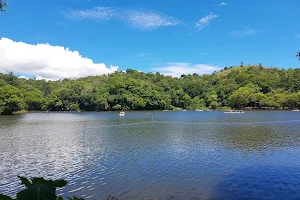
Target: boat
x: 122, y: 114
x: 199, y: 110
x: 296, y: 110
x: 209, y: 110
x: 234, y: 111
x: 184, y: 110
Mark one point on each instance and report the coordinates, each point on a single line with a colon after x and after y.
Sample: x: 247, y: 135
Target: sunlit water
x: 206, y: 155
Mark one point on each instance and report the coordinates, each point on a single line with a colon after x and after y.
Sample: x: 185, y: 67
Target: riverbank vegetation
x: 253, y: 87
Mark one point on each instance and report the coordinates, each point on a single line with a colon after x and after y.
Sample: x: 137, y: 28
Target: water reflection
x: 260, y: 182
x: 138, y: 161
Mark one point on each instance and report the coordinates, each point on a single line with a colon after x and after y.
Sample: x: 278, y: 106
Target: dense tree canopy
x: 236, y: 87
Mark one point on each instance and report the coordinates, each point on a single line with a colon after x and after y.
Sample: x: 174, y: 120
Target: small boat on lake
x: 122, y: 114
x: 184, y: 110
x: 199, y: 110
x: 234, y: 111
x: 296, y: 110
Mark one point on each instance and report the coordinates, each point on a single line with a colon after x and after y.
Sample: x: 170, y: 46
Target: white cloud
x: 223, y: 4
x: 177, y: 69
x: 140, y: 55
x: 149, y: 20
x: 47, y: 62
x: 142, y: 19
x: 205, y: 21
x: 246, y: 31
x: 99, y: 13
x: 24, y: 77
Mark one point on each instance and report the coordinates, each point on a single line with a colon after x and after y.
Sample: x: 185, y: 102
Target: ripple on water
x: 166, y: 161
x: 260, y: 182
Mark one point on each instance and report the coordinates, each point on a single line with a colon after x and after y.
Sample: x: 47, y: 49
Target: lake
x: 180, y: 155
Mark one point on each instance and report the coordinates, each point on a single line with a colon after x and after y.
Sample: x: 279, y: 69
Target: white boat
x: 296, y: 110
x: 234, y: 111
x: 199, y: 110
x: 184, y: 110
x: 122, y: 114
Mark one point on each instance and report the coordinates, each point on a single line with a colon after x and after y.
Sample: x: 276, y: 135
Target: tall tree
x: 11, y: 100
x: 298, y: 55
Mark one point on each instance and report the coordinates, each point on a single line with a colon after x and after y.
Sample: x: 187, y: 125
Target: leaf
x: 38, y: 191
x: 59, y: 183
x: 4, y: 197
x: 54, y: 184
x: 60, y: 198
x: 75, y: 198
x: 25, y: 181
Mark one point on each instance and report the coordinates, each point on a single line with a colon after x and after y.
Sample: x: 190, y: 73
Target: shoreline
x: 116, y: 111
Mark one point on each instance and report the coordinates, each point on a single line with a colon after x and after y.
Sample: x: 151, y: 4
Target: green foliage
x: 2, y: 5
x: 41, y: 189
x: 11, y: 99
x: 37, y: 189
x: 34, y: 99
x: 74, y: 198
x: 237, y: 87
x: 4, y: 197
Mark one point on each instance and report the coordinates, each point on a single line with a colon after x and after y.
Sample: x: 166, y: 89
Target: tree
x: 243, y: 97
x: 11, y: 100
x: 34, y: 100
x: 197, y: 103
x: 2, y: 5
x: 298, y: 54
x: 254, y: 86
x: 53, y: 103
x: 11, y: 79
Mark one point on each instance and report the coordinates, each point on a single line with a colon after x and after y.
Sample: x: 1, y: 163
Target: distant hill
x: 254, y: 87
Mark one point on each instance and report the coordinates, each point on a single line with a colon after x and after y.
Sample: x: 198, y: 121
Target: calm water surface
x: 181, y: 155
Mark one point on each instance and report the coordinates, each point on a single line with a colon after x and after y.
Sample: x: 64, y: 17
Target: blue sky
x: 170, y: 36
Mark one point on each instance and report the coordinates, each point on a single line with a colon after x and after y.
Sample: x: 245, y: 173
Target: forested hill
x: 238, y: 87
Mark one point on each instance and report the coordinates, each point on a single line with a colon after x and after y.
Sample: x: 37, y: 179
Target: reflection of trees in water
x: 263, y: 182
x: 256, y: 137
x: 242, y: 137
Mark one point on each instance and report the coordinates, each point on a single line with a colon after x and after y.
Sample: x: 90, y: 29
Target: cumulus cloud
x: 142, y: 19
x: 205, y: 21
x: 176, y: 69
x: 47, y: 62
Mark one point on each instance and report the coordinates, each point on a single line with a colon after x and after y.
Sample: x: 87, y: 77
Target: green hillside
x: 236, y: 87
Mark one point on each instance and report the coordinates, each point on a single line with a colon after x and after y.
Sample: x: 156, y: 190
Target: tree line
x: 239, y: 87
